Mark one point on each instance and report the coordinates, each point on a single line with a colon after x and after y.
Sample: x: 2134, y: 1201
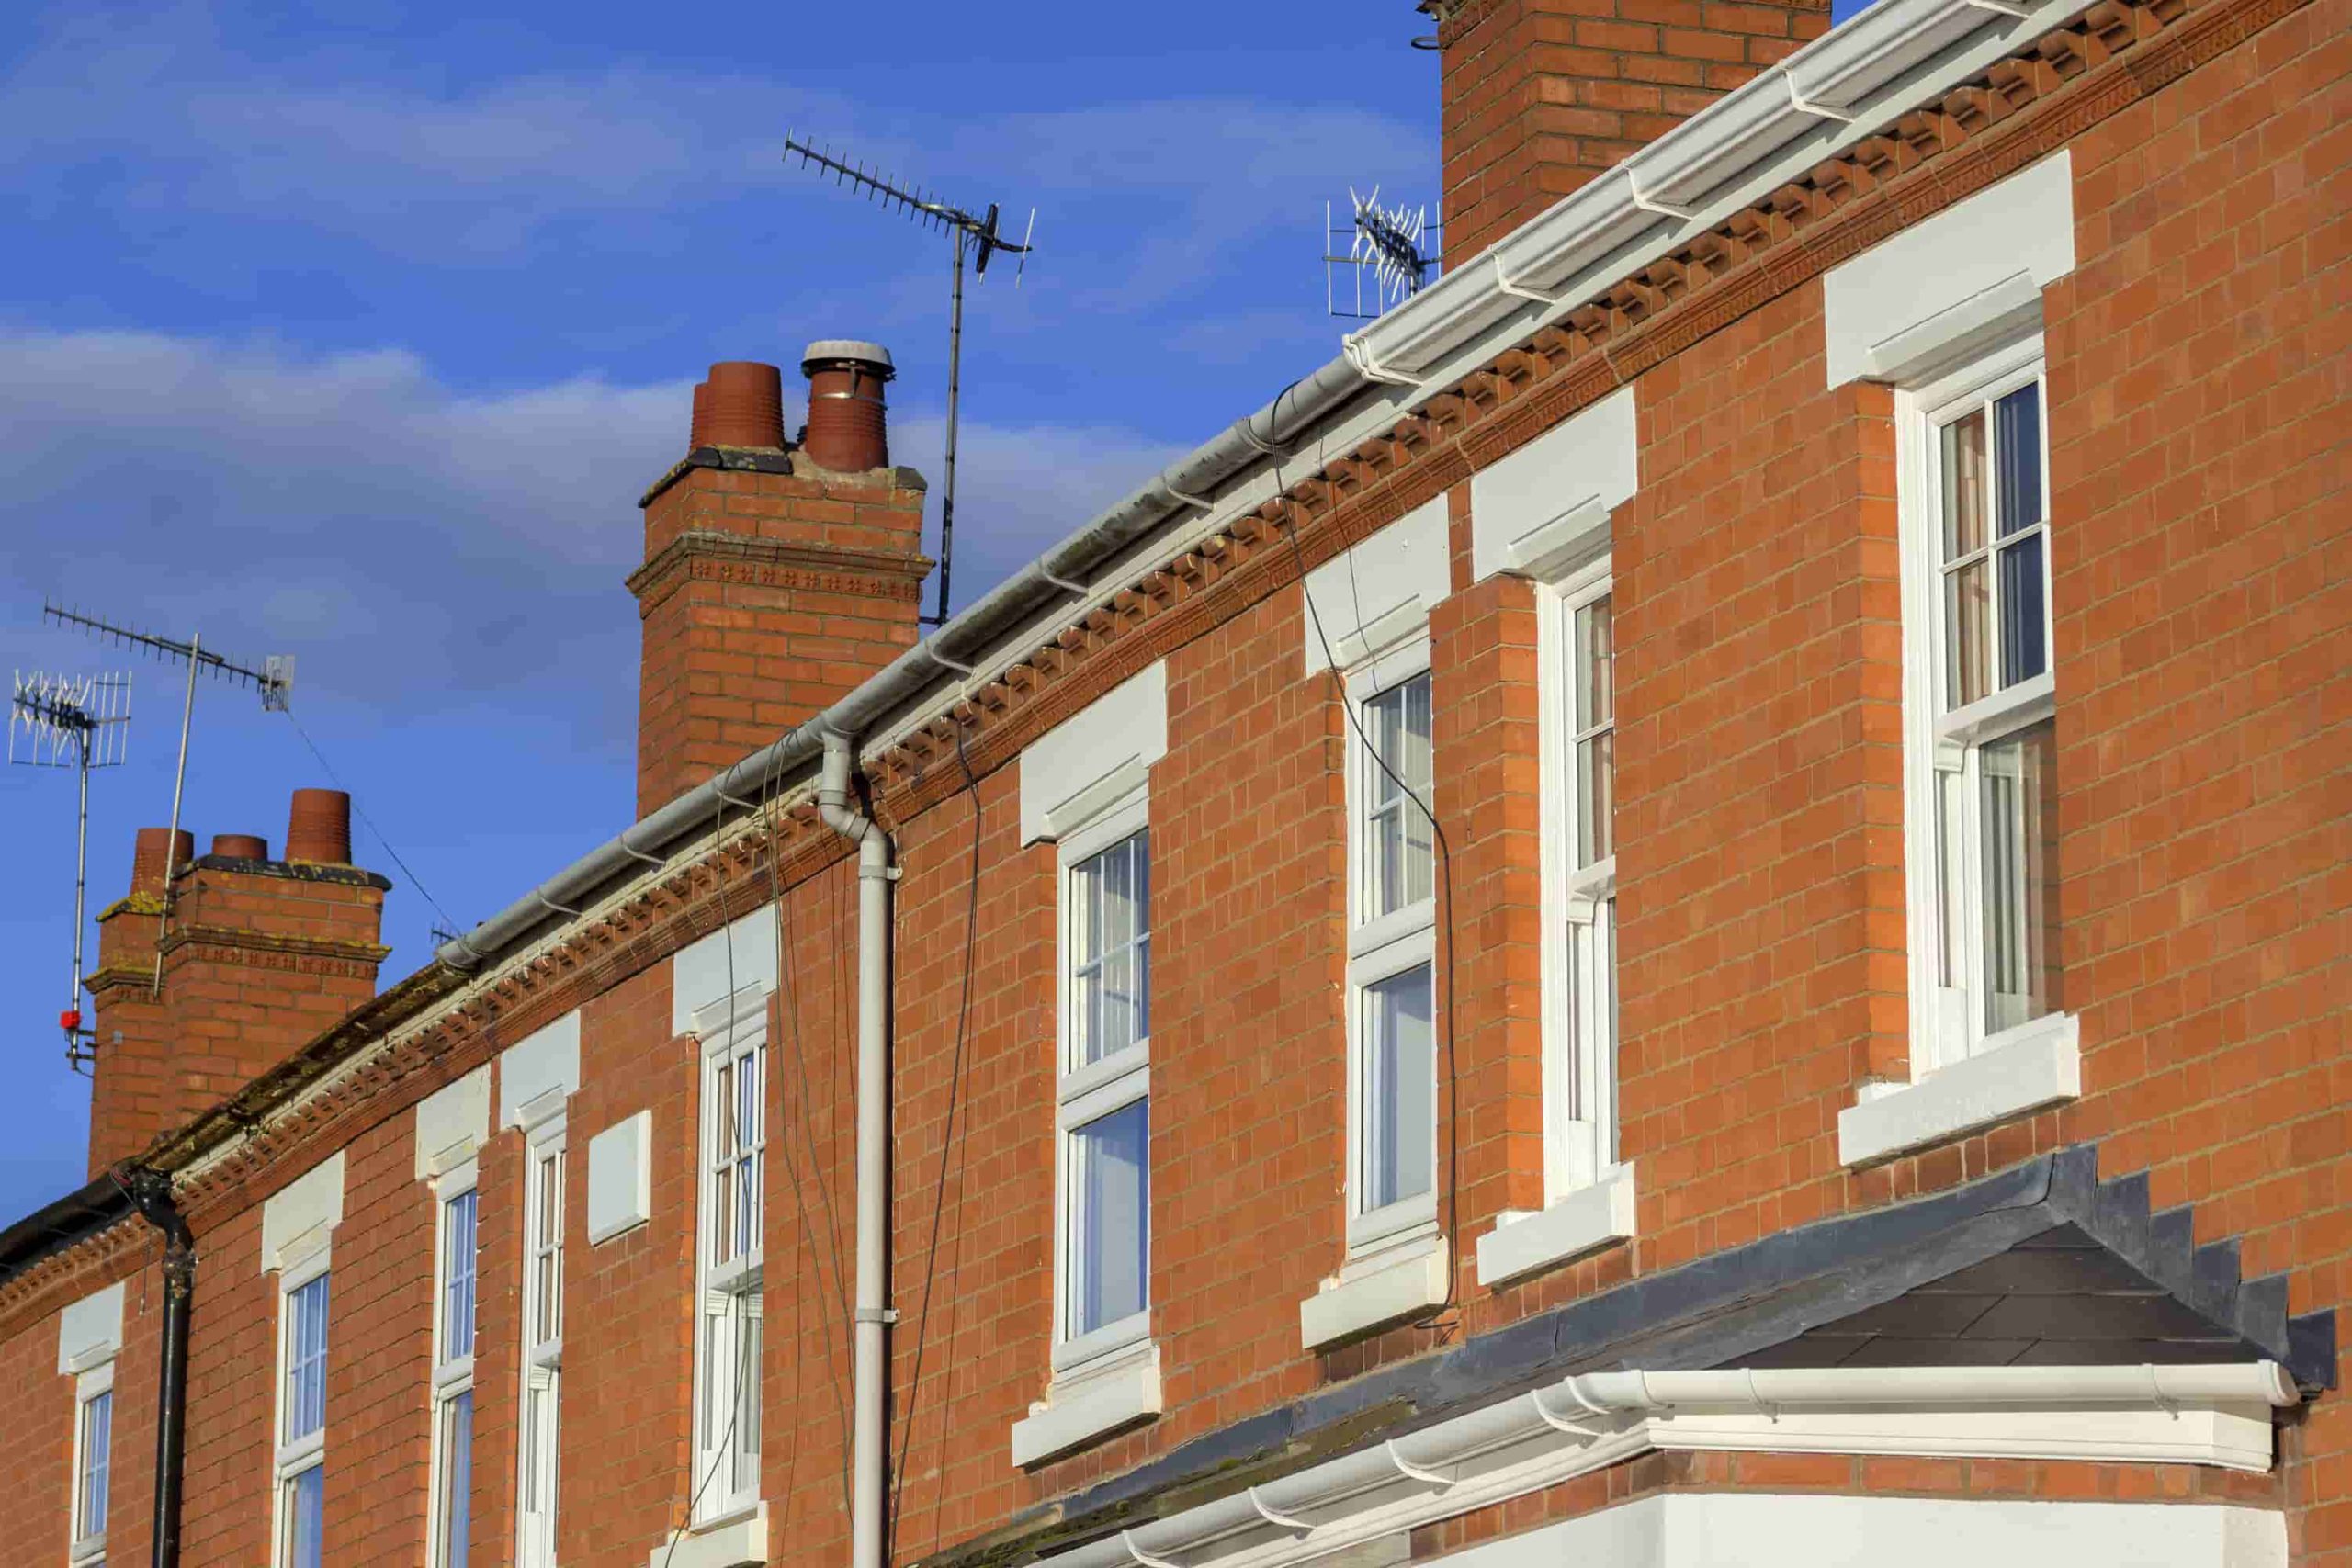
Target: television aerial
x: 1389, y: 255
x: 975, y: 232
x: 80, y: 722
x: 274, y: 681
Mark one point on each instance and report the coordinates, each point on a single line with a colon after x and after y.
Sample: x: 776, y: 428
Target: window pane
x: 1952, y: 879
x: 535, y: 1414
x: 1399, y: 1087
x: 460, y: 1234
x: 2020, y: 878
x: 2017, y: 430
x: 98, y: 1434
x: 1596, y: 712
x: 1968, y: 635
x: 1396, y: 832
x: 1963, y: 486
x: 1596, y: 797
x: 1110, y: 1248
x: 457, y: 1478
x: 306, y: 1360
x: 1110, y: 998
x: 2023, y: 576
x: 748, y: 1325
x: 305, y: 1518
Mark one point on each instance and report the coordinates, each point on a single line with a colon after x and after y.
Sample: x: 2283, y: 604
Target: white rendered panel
x: 307, y: 1207
x: 452, y: 1123
x: 1565, y: 482
x: 1121, y: 733
x: 90, y: 1330
x: 620, y: 1186
x: 1379, y: 591
x: 745, y: 952
x: 1964, y: 268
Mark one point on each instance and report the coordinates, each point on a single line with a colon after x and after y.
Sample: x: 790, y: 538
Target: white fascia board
x: 2045, y: 1068
x: 1101, y: 1404
x: 1379, y: 591
x: 452, y: 1124
x: 90, y: 1330
x: 2213, y: 1414
x: 1345, y: 1308
x: 620, y: 1177
x: 1544, y: 510
x: 1580, y: 1222
x: 1775, y: 1529
x: 736, y: 1543
x: 543, y: 1066
x: 1115, y: 738
x: 301, y: 1213
x: 699, y: 971
x: 1920, y: 296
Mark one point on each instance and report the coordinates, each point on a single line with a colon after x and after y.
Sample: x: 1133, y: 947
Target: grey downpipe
x: 150, y: 1192
x: 1060, y: 573
x: 871, y: 1316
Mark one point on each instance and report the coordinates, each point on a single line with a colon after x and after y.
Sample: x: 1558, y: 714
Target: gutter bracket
x: 548, y: 903
x: 1251, y: 438
x: 1410, y: 1471
x: 1143, y: 1559
x: 1647, y: 205
x: 1798, y: 102
x: 1276, y: 1518
x: 1504, y: 282
x: 1064, y: 583
x: 1204, y: 504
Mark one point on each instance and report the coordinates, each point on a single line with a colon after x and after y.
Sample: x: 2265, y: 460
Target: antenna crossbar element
x: 1387, y: 243
x: 78, y: 722
x: 274, y: 679
x: 895, y: 197
x: 68, y: 721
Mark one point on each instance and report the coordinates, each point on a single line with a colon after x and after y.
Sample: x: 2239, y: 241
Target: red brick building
x: 1689, y: 909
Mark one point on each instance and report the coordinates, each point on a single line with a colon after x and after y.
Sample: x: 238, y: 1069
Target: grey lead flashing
x: 1715, y: 1311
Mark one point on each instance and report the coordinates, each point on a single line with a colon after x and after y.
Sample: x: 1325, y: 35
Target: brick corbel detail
x: 267, y: 950
x: 702, y: 555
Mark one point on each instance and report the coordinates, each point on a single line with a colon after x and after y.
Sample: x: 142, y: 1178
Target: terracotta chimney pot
x: 317, y: 827
x: 148, y: 857
x: 848, y: 428
x: 743, y: 405
x: 241, y: 846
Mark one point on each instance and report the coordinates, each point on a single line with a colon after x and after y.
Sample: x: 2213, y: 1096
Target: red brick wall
x: 2203, y: 574
x: 742, y: 644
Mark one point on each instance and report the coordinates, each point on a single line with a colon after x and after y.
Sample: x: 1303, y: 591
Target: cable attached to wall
x: 1435, y: 1320
x: 947, y: 1150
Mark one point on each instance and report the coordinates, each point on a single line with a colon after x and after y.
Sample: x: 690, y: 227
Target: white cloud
x: 413, y: 544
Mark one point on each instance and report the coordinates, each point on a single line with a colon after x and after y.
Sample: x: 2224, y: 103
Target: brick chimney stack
x: 1540, y: 95
x: 259, y: 956
x: 777, y: 576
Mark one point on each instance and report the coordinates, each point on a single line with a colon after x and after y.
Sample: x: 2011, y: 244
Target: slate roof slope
x: 2042, y: 1263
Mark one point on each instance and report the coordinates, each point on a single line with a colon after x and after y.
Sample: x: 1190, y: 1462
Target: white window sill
x: 2042, y: 1067
x: 1077, y: 1413
x: 1375, y: 1298
x: 1591, y: 1217
x: 740, y: 1541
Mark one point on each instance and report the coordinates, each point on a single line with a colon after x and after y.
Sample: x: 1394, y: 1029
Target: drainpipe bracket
x: 876, y: 1315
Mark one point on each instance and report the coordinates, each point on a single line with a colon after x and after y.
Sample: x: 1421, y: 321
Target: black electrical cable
x: 837, y: 1298
x: 735, y: 1404
x: 947, y: 1141
x: 1445, y: 926
x: 369, y: 822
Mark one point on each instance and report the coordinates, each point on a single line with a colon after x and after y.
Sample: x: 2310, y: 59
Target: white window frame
x: 1947, y: 1027
x: 1962, y: 1077
x: 453, y: 1371
x: 1381, y: 948
x: 1084, y: 1095
x: 87, y: 1548
x: 1580, y: 985
x: 731, y: 1031
x: 542, y: 1358
x: 293, y: 1457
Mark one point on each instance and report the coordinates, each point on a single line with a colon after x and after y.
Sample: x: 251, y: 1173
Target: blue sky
x: 356, y: 339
